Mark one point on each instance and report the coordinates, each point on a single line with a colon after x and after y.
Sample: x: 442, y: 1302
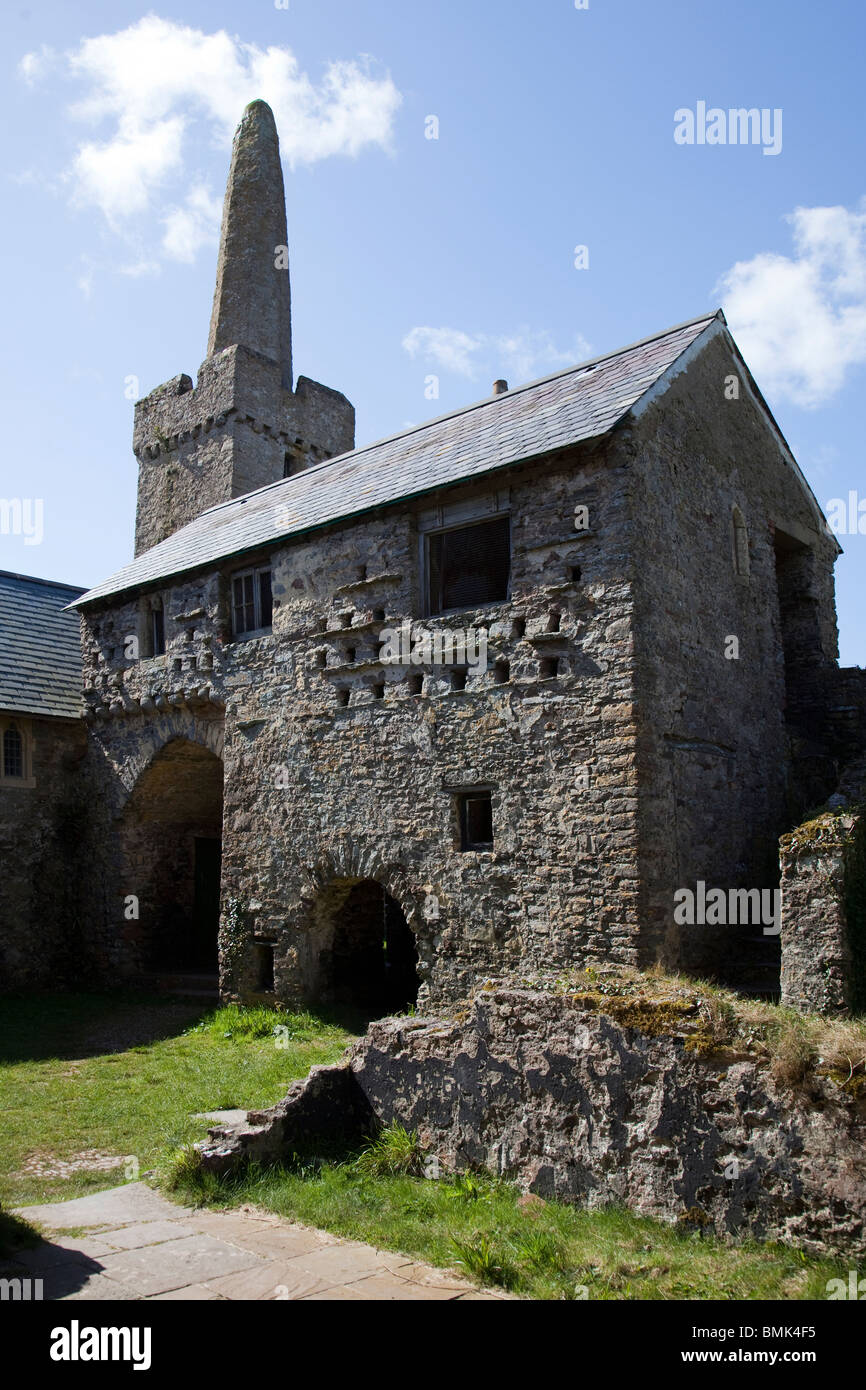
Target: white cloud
x: 35, y: 65
x: 524, y: 353
x: 801, y: 320
x: 192, y: 226
x: 120, y: 175
x: 447, y: 348
x: 158, y: 83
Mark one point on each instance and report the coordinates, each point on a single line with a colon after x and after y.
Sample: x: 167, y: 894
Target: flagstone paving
x: 138, y: 1245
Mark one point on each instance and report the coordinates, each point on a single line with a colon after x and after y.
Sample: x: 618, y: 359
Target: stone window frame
x: 25, y: 730
x: 740, y: 545
x: 148, y: 606
x: 254, y: 572
x: 462, y: 797
x: 453, y: 516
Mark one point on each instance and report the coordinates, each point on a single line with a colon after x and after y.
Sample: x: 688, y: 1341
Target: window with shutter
x: 469, y: 565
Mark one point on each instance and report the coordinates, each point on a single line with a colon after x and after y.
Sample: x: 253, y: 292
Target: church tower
x: 244, y: 424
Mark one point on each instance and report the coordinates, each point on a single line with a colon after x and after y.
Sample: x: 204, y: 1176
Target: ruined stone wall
x: 572, y: 1104
x: 715, y: 760
x: 42, y: 826
x: 816, y: 949
x: 234, y: 432
x: 336, y: 771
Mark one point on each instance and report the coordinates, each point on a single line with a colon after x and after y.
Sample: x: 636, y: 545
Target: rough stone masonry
x: 265, y: 795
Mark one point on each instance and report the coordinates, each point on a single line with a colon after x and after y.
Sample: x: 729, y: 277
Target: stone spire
x: 243, y: 425
x: 252, y: 304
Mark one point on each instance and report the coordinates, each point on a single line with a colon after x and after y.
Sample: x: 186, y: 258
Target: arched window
x: 741, y: 544
x: 13, y: 752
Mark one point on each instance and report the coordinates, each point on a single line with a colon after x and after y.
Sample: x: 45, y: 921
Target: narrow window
x: 378, y: 692
x: 264, y: 962
x: 13, y: 753
x: 741, y: 544
x: 469, y: 566
x: 548, y: 668
x: 458, y: 679
x: 501, y: 672
x: 265, y: 614
x: 416, y: 684
x: 252, y: 604
x: 476, y: 821
x: 157, y: 631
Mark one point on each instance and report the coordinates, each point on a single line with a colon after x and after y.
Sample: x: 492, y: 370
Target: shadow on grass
x: 16, y: 1234
x: 38, y: 1027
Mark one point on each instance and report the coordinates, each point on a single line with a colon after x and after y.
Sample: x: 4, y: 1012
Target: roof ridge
x: 37, y: 579
x: 466, y: 409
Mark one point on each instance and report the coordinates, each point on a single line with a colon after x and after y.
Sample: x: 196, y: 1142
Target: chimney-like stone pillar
x: 242, y: 426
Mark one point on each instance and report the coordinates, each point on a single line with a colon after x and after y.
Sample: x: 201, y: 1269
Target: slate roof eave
x: 539, y: 418
x: 40, y: 654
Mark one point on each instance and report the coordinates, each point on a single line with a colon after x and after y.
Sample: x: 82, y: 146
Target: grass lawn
x: 537, y: 1250
x: 87, y: 1078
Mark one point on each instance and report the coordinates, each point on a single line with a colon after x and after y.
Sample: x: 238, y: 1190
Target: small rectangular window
x: 469, y: 566
x: 13, y: 753
x: 157, y: 631
x: 476, y: 821
x: 252, y: 602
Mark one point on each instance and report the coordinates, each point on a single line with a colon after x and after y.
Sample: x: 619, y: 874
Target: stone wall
x: 574, y: 1105
x: 823, y: 866
x: 237, y: 430
x: 336, y: 771
x: 715, y: 733
x: 42, y: 827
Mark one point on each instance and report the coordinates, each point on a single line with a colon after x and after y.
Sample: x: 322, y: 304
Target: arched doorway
x: 172, y: 838
x: 368, y: 957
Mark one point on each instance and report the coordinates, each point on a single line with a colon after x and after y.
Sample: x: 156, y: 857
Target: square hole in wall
x: 416, y: 684
x: 343, y: 698
x: 475, y: 810
x: 574, y: 573
x: 379, y: 690
x: 548, y: 668
x: 501, y: 672
x: 518, y: 628
x: 458, y: 678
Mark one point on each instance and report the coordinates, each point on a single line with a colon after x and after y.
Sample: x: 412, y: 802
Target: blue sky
x: 412, y: 256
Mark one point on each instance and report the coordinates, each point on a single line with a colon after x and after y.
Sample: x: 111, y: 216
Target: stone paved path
x: 140, y: 1246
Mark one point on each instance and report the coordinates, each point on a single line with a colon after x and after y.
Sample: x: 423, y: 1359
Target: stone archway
x: 364, y: 953
x: 171, y: 842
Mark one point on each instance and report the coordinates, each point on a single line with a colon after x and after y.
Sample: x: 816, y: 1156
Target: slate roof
x: 40, y: 656
x: 577, y: 404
